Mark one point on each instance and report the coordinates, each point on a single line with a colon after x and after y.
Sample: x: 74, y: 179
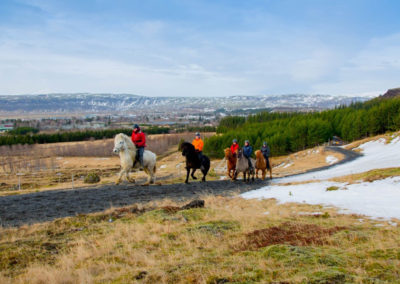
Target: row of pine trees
x: 290, y: 132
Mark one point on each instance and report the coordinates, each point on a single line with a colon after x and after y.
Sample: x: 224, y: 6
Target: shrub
x: 92, y: 178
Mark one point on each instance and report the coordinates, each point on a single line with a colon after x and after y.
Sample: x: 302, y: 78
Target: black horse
x: 193, y: 161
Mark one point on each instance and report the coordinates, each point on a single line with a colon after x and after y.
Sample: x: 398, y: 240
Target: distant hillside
x: 391, y: 93
x: 116, y: 103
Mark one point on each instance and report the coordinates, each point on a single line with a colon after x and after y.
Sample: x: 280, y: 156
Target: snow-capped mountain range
x: 116, y: 103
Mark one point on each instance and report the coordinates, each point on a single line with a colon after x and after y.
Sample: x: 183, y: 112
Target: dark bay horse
x: 193, y: 162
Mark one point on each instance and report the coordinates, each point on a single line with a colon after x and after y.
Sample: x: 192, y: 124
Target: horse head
x: 240, y: 154
x: 119, y: 144
x: 228, y: 153
x: 187, y: 148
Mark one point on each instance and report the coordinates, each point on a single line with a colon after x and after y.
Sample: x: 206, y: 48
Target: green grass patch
x: 216, y: 227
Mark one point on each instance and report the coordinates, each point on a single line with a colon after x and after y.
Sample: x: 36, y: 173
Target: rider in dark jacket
x: 266, y: 153
x: 247, y: 151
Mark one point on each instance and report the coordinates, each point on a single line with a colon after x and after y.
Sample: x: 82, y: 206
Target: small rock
x: 194, y: 204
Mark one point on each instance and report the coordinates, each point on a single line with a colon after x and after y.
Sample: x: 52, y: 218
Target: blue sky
x: 199, y: 48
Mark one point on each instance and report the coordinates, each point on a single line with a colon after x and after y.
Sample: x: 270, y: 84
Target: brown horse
x: 261, y: 164
x: 231, y: 159
x: 242, y: 166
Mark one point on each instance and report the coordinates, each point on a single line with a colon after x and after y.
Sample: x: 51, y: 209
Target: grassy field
x: 230, y: 240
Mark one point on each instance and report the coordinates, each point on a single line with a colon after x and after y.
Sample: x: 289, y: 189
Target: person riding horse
x: 139, y: 139
x: 198, y: 145
x: 266, y: 153
x: 234, y: 147
x: 247, y: 151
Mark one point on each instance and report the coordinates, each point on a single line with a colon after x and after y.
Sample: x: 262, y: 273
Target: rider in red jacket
x: 139, y: 139
x: 234, y: 147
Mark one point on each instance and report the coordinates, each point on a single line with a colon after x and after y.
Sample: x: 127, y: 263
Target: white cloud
x: 373, y: 69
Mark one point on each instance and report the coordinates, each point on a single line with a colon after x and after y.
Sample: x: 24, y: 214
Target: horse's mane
x: 228, y: 153
x: 187, y: 144
x: 127, y: 140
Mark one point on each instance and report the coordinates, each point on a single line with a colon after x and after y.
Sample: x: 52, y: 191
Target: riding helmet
x: 234, y: 141
x: 136, y: 126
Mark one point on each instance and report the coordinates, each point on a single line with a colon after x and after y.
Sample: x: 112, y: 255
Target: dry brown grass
x: 369, y: 176
x: 203, y: 245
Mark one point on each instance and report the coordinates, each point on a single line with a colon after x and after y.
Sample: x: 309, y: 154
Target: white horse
x: 127, y: 153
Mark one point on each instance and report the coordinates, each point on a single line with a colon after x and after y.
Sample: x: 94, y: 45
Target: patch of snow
x: 377, y: 155
x: 379, y: 198
x: 163, y: 166
x: 310, y: 213
x: 331, y: 160
x: 288, y: 165
x: 280, y: 165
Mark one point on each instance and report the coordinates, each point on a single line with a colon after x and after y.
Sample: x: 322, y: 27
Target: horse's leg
x: 193, y: 174
x: 119, y: 177
x: 127, y: 171
x: 234, y: 175
x: 146, y: 170
x: 270, y: 172
x: 257, y: 172
x: 204, y: 175
x: 151, y: 178
x: 187, y: 175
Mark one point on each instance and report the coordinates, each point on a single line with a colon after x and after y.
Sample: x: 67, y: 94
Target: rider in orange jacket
x: 198, y: 144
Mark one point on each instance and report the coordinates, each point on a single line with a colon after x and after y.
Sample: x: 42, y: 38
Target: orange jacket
x: 198, y: 144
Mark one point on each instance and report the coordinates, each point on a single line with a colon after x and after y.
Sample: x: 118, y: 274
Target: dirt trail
x: 16, y: 210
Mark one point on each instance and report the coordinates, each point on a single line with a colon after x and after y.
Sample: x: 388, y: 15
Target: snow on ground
x: 331, y: 160
x: 377, y: 155
x: 380, y: 198
x: 288, y: 165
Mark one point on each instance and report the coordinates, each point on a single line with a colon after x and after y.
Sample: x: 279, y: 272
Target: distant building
x: 6, y: 127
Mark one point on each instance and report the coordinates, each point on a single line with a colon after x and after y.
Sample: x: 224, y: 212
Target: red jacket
x: 234, y: 148
x: 139, y: 139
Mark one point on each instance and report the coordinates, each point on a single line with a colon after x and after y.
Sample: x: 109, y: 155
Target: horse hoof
x: 194, y: 177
